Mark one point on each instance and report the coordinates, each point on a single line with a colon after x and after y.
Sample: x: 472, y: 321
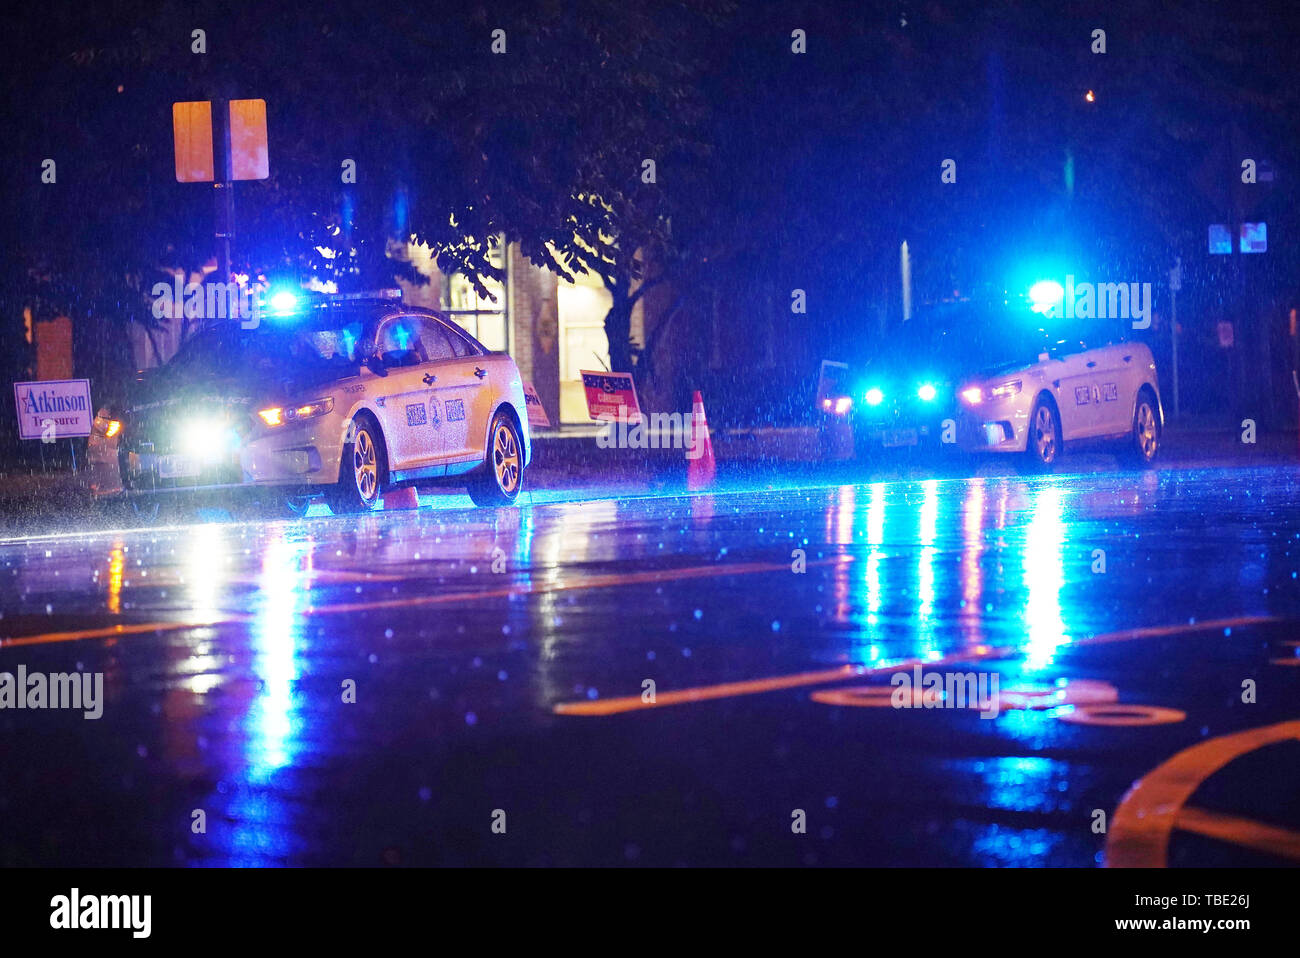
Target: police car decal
x: 455, y: 410
x: 1081, y: 394
x: 415, y: 415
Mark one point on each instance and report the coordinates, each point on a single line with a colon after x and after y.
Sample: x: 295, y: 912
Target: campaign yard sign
x: 54, y: 409
x: 536, y: 411
x: 607, y: 393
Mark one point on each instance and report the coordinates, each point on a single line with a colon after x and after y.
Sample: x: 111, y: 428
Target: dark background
x: 776, y: 171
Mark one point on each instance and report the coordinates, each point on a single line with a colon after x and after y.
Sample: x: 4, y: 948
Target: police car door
x: 403, y: 400
x: 1119, y: 371
x: 1078, y: 395
x: 465, y: 390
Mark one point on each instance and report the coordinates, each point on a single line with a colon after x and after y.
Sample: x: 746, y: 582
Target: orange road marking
x: 705, y: 692
x: 1257, y: 836
x: 1155, y: 632
x: 702, y: 693
x: 1116, y: 715
x: 1147, y: 815
x: 585, y: 582
x: 108, y: 632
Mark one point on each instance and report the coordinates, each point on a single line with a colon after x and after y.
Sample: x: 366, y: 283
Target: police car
x: 1008, y: 380
x: 337, y: 397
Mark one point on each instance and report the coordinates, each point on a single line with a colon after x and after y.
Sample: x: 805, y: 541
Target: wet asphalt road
x: 503, y: 663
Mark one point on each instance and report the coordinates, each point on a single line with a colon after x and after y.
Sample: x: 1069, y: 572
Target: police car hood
x: 206, y: 385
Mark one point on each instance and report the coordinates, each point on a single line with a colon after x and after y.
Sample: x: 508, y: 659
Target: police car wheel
x: 363, y: 470
x: 1144, y: 444
x: 1043, y: 447
x: 502, y: 476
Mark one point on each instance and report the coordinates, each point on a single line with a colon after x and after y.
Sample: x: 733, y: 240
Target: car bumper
x: 993, y: 427
x: 302, y: 456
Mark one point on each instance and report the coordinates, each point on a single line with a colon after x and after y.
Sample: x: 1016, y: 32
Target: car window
x: 459, y: 344
x: 1071, y: 336
x: 411, y: 340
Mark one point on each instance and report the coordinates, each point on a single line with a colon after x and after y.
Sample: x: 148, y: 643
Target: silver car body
x: 1095, y: 392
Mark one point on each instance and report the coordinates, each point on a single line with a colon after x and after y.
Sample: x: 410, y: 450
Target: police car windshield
x: 966, y: 336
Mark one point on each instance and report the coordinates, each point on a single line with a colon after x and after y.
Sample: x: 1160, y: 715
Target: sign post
x: 220, y: 147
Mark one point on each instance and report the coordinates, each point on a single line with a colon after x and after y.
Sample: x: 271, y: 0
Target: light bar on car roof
x: 369, y: 294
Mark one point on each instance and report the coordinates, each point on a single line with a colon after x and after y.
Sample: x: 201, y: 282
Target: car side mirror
x: 376, y: 366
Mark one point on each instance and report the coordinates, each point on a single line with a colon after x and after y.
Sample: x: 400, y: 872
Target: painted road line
x: 1148, y: 814
x: 702, y: 693
x: 1155, y: 632
x: 1246, y: 832
x: 705, y: 692
x: 585, y: 582
x: 110, y: 631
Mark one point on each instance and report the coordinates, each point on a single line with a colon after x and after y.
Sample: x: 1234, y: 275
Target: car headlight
x: 280, y: 415
x: 207, y: 439
x: 974, y: 395
x: 927, y: 392
x: 874, y: 396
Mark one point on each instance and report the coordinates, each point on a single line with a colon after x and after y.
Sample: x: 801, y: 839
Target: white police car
x: 993, y: 378
x: 341, y: 398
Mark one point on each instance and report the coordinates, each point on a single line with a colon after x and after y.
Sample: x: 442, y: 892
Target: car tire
x: 1043, y: 444
x: 502, y: 475
x: 363, y: 469
x: 1143, y: 444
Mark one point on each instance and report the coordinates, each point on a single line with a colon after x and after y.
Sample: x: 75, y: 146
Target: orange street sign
x: 192, y: 134
x: 248, y: 140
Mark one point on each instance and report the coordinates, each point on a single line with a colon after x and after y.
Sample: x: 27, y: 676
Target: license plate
x: 899, y: 437
x: 177, y: 467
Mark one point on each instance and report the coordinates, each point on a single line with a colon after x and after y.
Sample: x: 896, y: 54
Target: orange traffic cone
x: 403, y: 498
x: 701, y: 469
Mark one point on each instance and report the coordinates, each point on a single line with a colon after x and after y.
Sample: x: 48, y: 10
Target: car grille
x: 152, y: 455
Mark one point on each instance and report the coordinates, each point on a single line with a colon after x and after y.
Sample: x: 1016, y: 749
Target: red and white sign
x: 832, y: 382
x: 54, y: 409
x: 536, y: 411
x: 607, y: 393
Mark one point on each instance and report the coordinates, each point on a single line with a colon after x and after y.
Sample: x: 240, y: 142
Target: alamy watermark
x: 208, y: 301
x: 1130, y: 301
x: 74, y: 910
x: 53, y: 690
x: 658, y: 430
x: 946, y: 690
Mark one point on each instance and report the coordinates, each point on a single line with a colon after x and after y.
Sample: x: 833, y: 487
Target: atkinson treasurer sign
x: 58, y: 408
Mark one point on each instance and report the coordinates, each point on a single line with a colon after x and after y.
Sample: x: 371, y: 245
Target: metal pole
x: 225, y: 193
